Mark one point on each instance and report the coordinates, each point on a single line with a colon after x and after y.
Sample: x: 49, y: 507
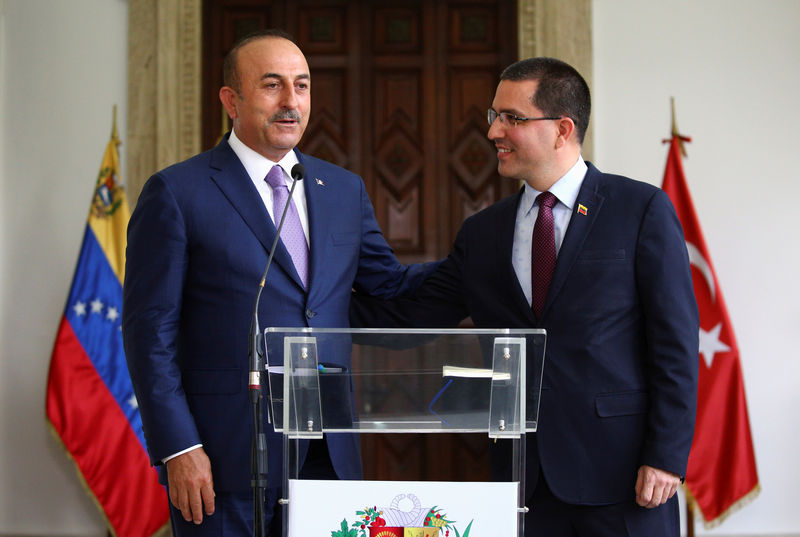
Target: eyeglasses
x: 507, y: 118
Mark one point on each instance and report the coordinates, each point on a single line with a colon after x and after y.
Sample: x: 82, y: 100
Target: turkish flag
x: 721, y: 475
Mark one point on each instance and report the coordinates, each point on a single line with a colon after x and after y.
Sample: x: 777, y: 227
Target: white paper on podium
x: 474, y: 509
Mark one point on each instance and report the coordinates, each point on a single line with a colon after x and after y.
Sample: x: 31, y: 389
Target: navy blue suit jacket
x: 620, y: 373
x: 198, y: 243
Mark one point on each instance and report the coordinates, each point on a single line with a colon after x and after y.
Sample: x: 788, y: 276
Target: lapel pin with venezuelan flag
x: 582, y: 209
x: 319, y: 181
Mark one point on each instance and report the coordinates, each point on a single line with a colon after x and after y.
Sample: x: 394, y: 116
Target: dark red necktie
x: 543, y: 256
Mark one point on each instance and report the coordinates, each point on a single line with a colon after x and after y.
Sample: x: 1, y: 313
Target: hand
x: 654, y: 487
x: 190, y: 484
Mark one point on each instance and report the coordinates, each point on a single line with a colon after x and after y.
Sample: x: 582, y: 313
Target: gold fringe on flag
x: 735, y: 506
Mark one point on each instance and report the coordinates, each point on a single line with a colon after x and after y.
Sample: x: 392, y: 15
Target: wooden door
x: 399, y: 96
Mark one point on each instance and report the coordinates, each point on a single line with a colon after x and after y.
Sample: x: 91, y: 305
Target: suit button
x: 310, y: 313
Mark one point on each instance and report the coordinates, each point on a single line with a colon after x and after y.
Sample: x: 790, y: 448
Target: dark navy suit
x: 198, y: 242
x: 620, y: 374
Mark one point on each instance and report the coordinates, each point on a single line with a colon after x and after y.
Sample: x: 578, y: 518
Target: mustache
x: 294, y: 115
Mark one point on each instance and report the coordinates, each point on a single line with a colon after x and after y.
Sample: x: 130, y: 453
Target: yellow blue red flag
x: 90, y: 402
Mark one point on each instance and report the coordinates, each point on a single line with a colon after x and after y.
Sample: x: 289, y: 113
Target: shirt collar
x: 565, y: 189
x: 257, y: 165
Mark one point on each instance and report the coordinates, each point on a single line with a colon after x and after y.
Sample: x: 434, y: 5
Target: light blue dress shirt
x: 566, y: 191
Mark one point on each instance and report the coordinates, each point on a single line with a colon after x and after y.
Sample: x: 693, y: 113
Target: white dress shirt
x: 566, y: 192
x: 258, y: 167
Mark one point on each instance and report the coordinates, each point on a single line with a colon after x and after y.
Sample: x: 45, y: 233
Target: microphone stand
x: 259, y: 460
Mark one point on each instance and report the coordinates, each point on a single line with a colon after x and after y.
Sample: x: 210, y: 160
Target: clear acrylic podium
x: 377, y: 381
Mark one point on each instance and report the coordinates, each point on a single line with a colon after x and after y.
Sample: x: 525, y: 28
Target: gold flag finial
x: 225, y: 125
x: 114, y: 133
x: 675, y: 133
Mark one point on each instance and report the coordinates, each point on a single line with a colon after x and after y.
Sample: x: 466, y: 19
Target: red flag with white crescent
x: 721, y: 474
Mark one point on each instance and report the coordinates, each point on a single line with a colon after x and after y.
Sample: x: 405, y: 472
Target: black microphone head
x: 298, y: 172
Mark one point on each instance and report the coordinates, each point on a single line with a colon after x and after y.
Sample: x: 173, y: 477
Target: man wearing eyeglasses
x: 600, y: 262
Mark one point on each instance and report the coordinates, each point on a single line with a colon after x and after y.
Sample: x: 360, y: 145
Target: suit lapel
x: 579, y: 227
x: 505, y: 245
x: 232, y: 179
x: 320, y: 216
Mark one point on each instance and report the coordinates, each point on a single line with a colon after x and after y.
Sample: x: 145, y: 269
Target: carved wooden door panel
x: 399, y: 96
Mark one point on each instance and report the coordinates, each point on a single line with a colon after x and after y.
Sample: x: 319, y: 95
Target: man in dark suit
x: 600, y: 262
x: 198, y: 242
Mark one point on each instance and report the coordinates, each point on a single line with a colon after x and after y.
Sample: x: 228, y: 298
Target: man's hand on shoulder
x: 191, y: 487
x: 654, y: 487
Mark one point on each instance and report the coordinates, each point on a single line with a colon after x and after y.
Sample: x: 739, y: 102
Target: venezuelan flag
x: 90, y: 403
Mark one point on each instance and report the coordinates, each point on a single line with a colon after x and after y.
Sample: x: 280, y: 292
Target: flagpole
x: 225, y: 125
x: 114, y: 132
x: 677, y: 135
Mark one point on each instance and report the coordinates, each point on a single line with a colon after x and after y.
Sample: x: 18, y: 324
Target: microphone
x: 259, y: 462
x: 256, y: 351
x: 298, y: 172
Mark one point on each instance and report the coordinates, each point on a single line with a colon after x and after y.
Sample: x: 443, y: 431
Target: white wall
x: 733, y: 67
x: 62, y: 68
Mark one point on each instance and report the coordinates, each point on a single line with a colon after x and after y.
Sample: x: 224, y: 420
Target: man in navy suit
x: 605, y: 271
x: 198, y: 243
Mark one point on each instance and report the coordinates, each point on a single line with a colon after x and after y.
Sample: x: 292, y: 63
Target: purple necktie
x: 292, y: 231
x: 544, y: 251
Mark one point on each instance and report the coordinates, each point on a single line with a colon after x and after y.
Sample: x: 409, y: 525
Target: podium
x: 379, y: 381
